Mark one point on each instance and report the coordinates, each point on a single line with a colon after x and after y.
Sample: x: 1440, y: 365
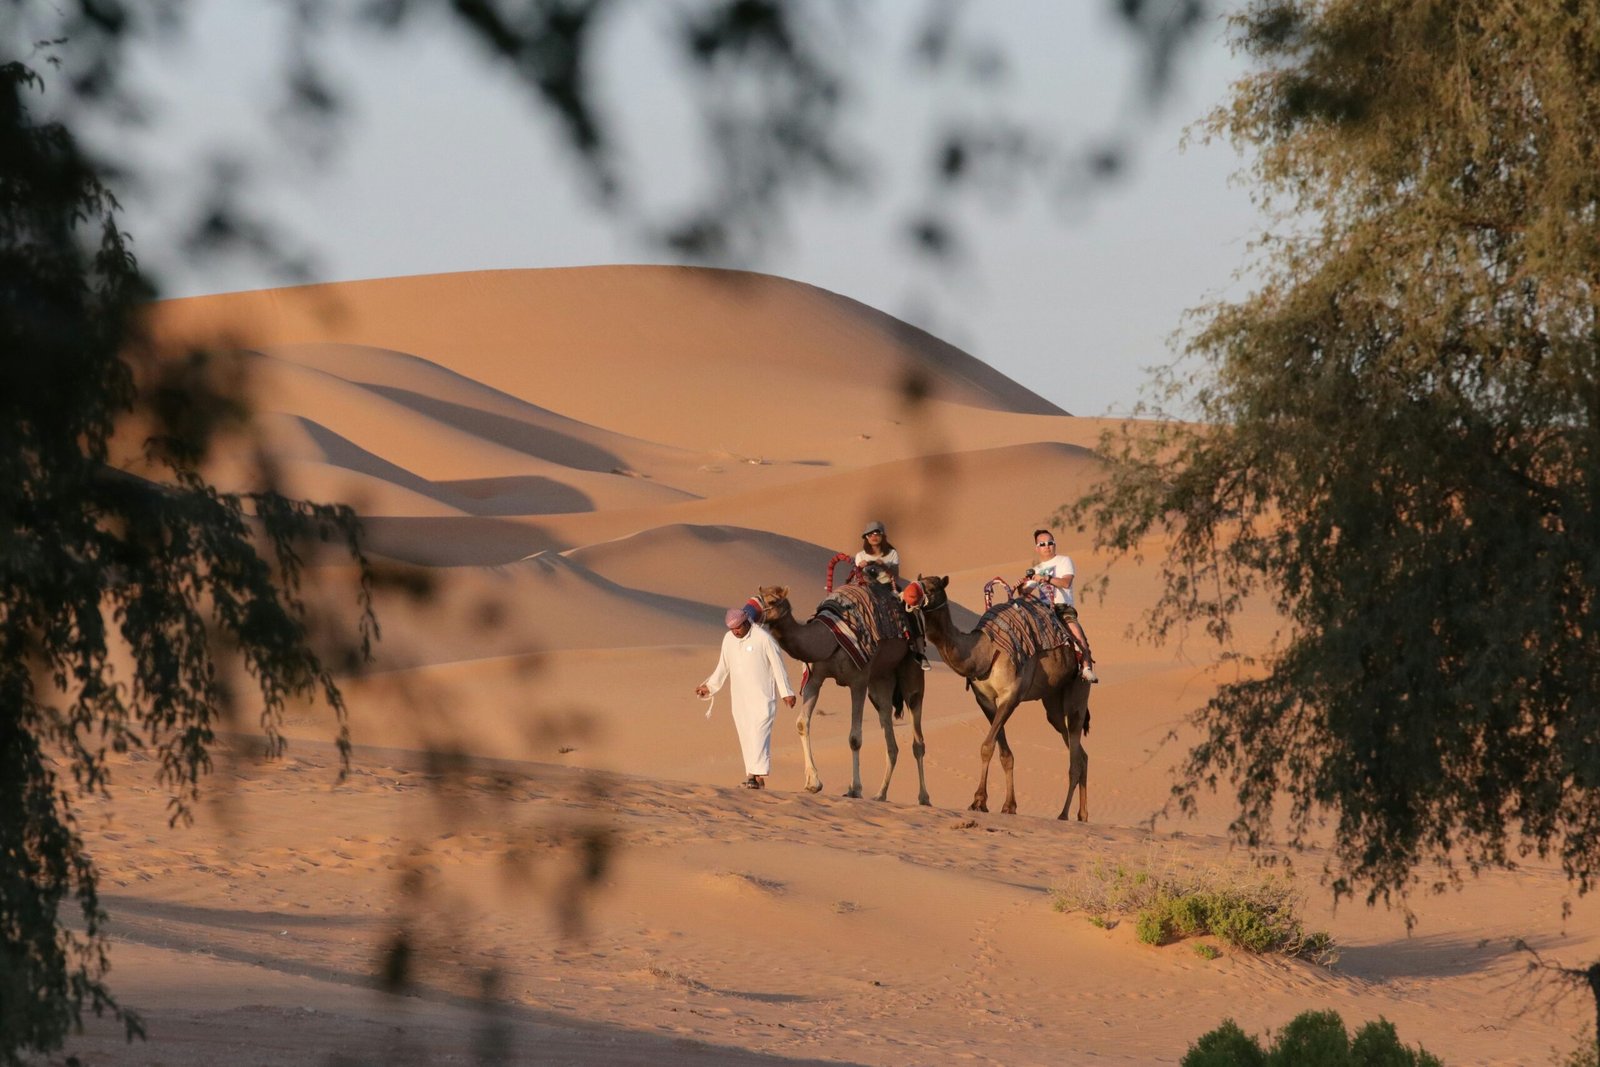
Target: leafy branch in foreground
x: 1397, y: 445
x: 125, y: 602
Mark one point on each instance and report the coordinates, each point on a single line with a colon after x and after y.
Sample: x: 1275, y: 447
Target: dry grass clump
x: 1249, y: 908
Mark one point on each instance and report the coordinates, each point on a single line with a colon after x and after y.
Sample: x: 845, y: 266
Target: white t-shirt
x: 890, y: 558
x: 1057, y: 566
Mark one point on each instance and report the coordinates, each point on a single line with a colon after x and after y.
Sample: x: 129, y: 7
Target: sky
x: 440, y: 163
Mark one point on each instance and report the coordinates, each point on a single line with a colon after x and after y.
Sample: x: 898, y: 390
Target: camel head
x: 930, y: 593
x: 774, y: 602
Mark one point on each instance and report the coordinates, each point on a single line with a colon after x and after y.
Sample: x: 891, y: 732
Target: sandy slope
x: 590, y: 465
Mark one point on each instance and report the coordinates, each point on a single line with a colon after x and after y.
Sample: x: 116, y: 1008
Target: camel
x: 814, y: 644
x: 1051, y: 677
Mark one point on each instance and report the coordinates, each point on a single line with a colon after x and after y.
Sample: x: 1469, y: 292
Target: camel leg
x: 914, y: 693
x: 1068, y: 715
x: 997, y: 714
x: 1078, y: 772
x: 808, y: 704
x: 1008, y: 762
x: 980, y: 798
x: 882, y: 694
x: 858, y: 698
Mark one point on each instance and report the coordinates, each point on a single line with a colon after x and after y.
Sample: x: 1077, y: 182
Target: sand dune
x: 589, y: 466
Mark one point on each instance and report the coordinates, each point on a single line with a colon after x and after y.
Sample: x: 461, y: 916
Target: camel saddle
x: 1021, y: 629
x: 861, y: 618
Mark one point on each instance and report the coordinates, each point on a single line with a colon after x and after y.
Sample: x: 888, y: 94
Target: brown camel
x: 814, y: 644
x: 1050, y: 676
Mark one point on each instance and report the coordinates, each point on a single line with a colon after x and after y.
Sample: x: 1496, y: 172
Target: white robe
x: 756, y: 669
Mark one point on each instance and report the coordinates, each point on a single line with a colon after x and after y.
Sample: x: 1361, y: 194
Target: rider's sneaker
x: 922, y: 661
x: 1089, y: 675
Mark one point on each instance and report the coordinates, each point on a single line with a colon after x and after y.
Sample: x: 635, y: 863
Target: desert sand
x: 591, y: 465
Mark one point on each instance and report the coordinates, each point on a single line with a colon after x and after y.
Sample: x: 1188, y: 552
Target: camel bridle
x: 928, y: 593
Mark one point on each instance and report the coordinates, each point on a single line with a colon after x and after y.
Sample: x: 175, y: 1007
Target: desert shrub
x: 1153, y: 926
x: 1250, y: 923
x: 1206, y: 951
x: 1108, y: 889
x: 1311, y: 1039
x: 1250, y: 909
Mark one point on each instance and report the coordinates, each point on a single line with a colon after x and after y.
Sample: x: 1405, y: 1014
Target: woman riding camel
x: 876, y: 548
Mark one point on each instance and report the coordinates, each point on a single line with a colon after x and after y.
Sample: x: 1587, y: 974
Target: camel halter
x: 927, y: 596
x: 922, y: 595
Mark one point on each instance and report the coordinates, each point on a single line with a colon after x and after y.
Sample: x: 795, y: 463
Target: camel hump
x: 869, y: 614
x: 1022, y: 629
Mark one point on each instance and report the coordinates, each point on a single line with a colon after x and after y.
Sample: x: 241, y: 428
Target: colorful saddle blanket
x: 1023, y: 628
x: 862, y: 619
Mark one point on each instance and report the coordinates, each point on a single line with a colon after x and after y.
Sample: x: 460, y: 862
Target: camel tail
x: 1087, y: 715
x: 899, y: 702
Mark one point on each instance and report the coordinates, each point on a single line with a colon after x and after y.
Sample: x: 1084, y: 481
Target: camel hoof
x: 1083, y: 818
x: 1009, y: 809
x: 881, y: 796
x: 924, y: 801
x: 816, y: 787
x: 978, y: 805
x: 855, y: 793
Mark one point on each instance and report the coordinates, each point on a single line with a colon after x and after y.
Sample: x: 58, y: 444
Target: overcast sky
x: 442, y: 164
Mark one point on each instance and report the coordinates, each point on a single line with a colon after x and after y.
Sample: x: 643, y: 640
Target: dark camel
x: 813, y: 643
x: 1051, y: 677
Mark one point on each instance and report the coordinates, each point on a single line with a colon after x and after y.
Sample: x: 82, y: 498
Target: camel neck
x: 805, y: 642
x: 958, y: 649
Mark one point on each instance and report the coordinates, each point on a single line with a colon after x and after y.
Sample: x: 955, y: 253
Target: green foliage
x: 1207, y: 951
x: 96, y: 563
x: 1249, y: 909
x: 1396, y: 443
x: 1226, y: 1046
x: 1152, y: 927
x: 1585, y: 1054
x: 1311, y: 1039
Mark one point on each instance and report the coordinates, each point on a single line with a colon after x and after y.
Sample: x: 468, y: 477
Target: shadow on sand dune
x: 541, y: 442
x: 1422, y: 957
x: 348, y: 1030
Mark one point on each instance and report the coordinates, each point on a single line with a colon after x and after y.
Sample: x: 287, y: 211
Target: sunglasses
x: 1046, y: 544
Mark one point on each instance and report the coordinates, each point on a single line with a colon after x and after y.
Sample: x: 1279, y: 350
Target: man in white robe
x: 751, y: 661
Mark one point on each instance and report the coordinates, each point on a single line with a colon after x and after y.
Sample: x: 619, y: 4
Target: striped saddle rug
x: 862, y: 619
x: 1023, y: 628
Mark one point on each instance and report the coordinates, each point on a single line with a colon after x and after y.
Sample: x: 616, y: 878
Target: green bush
x: 1152, y: 926
x: 1249, y: 909
x: 1311, y: 1039
x: 1226, y: 1046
